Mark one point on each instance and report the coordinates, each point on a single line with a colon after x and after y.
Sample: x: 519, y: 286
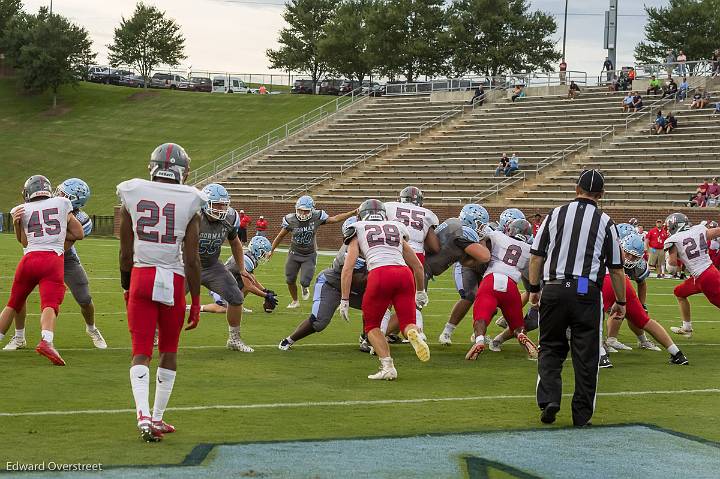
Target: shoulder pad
x: 322, y: 215
x: 249, y: 264
x: 232, y: 218
x: 349, y: 233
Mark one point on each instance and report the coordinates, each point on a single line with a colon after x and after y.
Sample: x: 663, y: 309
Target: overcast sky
x: 232, y: 35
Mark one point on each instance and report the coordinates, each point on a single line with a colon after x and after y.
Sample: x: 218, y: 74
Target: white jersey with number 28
x: 45, y: 224
x: 160, y: 215
x: 692, y: 249
x: 418, y: 220
x: 380, y: 242
x: 508, y: 256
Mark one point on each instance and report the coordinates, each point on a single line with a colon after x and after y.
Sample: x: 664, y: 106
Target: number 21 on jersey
x: 147, y: 226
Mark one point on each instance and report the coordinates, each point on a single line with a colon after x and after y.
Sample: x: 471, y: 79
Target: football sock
x: 642, y: 338
x: 234, y: 329
x: 385, y: 322
x: 602, y: 350
x: 499, y: 339
x: 479, y: 338
x: 672, y: 349
x: 90, y: 328
x: 687, y: 325
x: 419, y: 319
x: 47, y: 335
x: 289, y: 340
x: 140, y: 382
x: 611, y: 339
x: 386, y: 362
x: 20, y: 333
x: 163, y: 389
x: 449, y: 328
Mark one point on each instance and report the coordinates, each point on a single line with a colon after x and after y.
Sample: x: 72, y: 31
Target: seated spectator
x: 627, y: 102
x: 701, y: 98
x: 670, y: 122
x: 716, y: 111
x: 614, y: 84
x: 624, y: 82
x: 659, y: 125
x: 716, y: 63
x: 479, y: 96
x: 636, y: 102
x: 698, y: 200
x: 683, y: 90
x: 703, y: 187
x: 518, y: 92
x: 654, y: 86
x: 504, y: 162
x: 573, y: 90
x: 670, y: 89
x: 513, y: 165
x: 713, y: 189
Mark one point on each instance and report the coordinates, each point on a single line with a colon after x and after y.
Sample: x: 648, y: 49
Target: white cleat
x: 445, y: 339
x: 293, y: 305
x: 609, y: 349
x: 649, y: 345
x: 305, y: 294
x: 422, y: 350
x: 682, y: 331
x: 97, y: 338
x: 235, y: 343
x: 495, y: 346
x: 247, y: 310
x: 501, y: 322
x: 387, y: 373
x: 614, y: 343
x: 15, y: 344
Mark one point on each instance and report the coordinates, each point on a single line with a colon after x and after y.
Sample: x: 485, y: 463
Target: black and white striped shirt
x: 577, y: 240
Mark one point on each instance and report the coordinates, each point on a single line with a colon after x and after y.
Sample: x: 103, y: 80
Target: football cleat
x: 284, y: 345
x: 549, y: 413
x: 605, y: 361
x: 147, y: 432
x: 235, y: 343
x: 365, y: 345
x: 393, y: 339
x: 46, y: 349
x: 682, y: 331
x: 529, y: 346
x: 387, y: 373
x: 501, y: 322
x: 162, y: 427
x: 445, y: 339
x: 422, y: 350
x: 614, y: 343
x: 679, y: 358
x: 649, y: 345
x: 305, y: 294
x: 293, y: 304
x: 247, y: 310
x: 475, y: 351
x: 97, y: 338
x: 609, y: 349
x: 495, y: 346
x: 15, y: 343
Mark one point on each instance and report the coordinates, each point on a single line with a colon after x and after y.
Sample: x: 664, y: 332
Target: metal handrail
x: 244, y: 153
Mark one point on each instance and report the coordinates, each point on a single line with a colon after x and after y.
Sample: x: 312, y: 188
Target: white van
x: 228, y: 84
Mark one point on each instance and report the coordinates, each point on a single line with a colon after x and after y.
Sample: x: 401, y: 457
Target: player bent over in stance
x: 690, y: 245
x: 42, y: 225
x: 326, y: 295
x: 159, y: 245
x: 302, y: 256
x: 510, y: 254
x: 387, y: 254
x: 633, y: 247
x: 78, y: 192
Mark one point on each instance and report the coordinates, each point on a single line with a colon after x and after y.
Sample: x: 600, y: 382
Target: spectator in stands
x: 504, y: 162
x: 627, y: 101
x: 670, y: 122
x: 655, y: 86
x: 669, y: 62
x: 636, y: 102
x: 624, y: 82
x: 631, y: 75
x: 681, y: 59
x: 563, y: 69
x: 536, y: 222
x: 658, y: 125
x: 244, y: 222
x: 261, y: 226
x: 513, y: 165
x: 701, y: 98
x: 713, y: 193
x: 716, y: 63
x: 608, y: 66
x: 683, y: 90
x: 716, y: 111
x: 573, y: 90
x: 698, y: 200
x: 670, y: 88
x: 479, y: 96
x: 655, y: 243
x: 703, y: 187
x: 614, y: 84
x: 518, y: 92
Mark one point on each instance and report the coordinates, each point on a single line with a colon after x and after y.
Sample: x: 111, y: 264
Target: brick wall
x: 329, y: 237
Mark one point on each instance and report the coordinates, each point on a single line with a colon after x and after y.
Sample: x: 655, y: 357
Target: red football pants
x: 488, y: 300
x: 145, y: 315
x: 388, y: 285
x: 634, y: 311
x: 707, y: 283
x: 39, y: 268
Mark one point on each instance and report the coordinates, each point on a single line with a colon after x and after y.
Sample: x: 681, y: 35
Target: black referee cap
x: 591, y: 181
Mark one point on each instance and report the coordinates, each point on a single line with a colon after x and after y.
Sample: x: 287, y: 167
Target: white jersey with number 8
x: 45, y: 224
x: 380, y: 242
x: 692, y: 249
x: 508, y: 256
x: 417, y: 219
x: 160, y: 215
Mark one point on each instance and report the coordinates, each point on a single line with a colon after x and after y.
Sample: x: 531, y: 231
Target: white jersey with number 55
x: 160, y: 215
x: 692, y: 249
x: 418, y: 220
x: 508, y: 256
x: 45, y: 224
x: 380, y: 242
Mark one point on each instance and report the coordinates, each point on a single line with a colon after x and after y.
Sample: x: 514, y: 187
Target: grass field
x: 106, y: 133
x: 319, y: 389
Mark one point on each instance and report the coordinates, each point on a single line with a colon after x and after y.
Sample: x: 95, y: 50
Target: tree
x: 146, y: 40
x: 8, y: 9
x: 300, y: 41
x: 345, y: 42
x: 48, y: 49
x: 692, y: 26
x: 494, y: 37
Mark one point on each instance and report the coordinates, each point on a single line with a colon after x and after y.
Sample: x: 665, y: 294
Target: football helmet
x: 633, y: 221
x: 508, y: 216
x: 76, y: 190
x: 625, y: 229
x: 218, y: 201
x: 634, y: 246
x: 474, y: 216
x: 169, y: 161
x: 260, y: 248
x: 372, y: 210
x: 304, y: 208
x: 677, y: 222
x: 347, y: 223
x: 411, y: 194
x: 37, y: 186
x: 711, y: 224
x: 520, y: 229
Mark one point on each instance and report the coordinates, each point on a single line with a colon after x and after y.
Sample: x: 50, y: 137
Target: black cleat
x: 394, y: 339
x: 605, y: 361
x: 679, y: 358
x: 549, y: 413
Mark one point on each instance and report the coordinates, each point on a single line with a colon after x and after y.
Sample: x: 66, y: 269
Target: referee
x: 571, y: 251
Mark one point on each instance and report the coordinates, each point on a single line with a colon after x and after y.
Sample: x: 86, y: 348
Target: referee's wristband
x: 621, y: 303
x: 533, y: 288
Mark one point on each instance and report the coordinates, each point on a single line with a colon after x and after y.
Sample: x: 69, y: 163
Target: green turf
x: 105, y: 134
x: 328, y: 368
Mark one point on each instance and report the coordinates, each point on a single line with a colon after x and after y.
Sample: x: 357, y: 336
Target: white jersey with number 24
x: 508, y: 256
x: 418, y: 220
x: 692, y: 249
x: 380, y: 242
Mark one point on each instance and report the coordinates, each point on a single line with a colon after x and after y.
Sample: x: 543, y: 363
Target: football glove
x: 421, y: 299
x: 644, y: 306
x: 345, y: 309
x: 271, y: 301
x: 194, y: 316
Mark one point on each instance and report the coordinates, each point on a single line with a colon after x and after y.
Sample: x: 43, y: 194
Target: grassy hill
x: 105, y: 134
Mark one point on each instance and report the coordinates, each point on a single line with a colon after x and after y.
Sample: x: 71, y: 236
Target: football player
x: 384, y: 245
x: 159, y: 251
x: 42, y: 225
x: 690, y: 244
x: 633, y: 247
x: 302, y: 255
x: 326, y: 294
x: 78, y: 192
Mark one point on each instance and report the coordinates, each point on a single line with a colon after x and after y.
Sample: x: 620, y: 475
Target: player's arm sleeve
x: 669, y: 243
x: 349, y: 234
x: 323, y: 217
x: 611, y: 246
x: 542, y: 238
x: 286, y: 223
x: 468, y: 237
x: 233, y: 219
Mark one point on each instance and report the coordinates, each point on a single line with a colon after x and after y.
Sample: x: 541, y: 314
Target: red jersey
x: 261, y: 225
x: 656, y: 237
x: 245, y: 221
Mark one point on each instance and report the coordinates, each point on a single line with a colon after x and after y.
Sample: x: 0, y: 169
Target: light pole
x: 51, y: 7
x: 565, y: 30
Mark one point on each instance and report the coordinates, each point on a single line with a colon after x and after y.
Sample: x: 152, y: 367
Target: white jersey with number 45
x: 380, y: 242
x: 45, y: 224
x: 418, y: 220
x: 160, y: 215
x: 692, y: 249
x: 508, y: 256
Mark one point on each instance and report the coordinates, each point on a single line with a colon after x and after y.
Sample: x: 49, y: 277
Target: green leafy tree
x: 345, y: 43
x: 8, y: 9
x: 48, y: 50
x: 692, y: 26
x: 494, y: 37
x: 147, y: 40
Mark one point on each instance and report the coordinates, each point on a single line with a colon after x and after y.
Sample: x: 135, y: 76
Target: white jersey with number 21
x: 380, y: 242
x: 508, y: 256
x: 692, y: 249
x: 418, y: 220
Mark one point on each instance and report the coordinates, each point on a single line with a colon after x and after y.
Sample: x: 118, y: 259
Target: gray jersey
x: 333, y: 273
x: 303, y: 232
x: 639, y: 273
x: 214, y: 233
x: 454, y: 238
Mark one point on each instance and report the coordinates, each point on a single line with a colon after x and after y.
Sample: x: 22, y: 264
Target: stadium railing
x: 701, y: 68
x: 246, y: 152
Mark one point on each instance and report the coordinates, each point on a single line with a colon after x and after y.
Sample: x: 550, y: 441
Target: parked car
x: 132, y: 81
x: 116, y: 75
x: 347, y: 86
x: 203, y: 84
x: 229, y: 84
x: 166, y: 80
x: 97, y: 74
x: 302, y: 87
x: 374, y: 89
x: 330, y: 87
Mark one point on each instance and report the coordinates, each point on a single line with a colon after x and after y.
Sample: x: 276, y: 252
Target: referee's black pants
x: 561, y: 307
